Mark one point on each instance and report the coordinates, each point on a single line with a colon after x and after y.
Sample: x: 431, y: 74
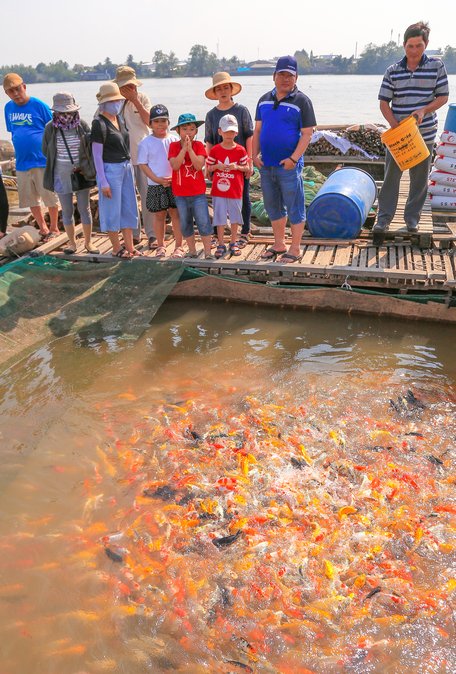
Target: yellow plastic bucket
x: 406, y: 144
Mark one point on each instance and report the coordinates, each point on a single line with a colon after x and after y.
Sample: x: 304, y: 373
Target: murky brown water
x: 233, y: 493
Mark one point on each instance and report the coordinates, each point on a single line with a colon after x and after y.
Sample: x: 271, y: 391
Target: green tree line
x: 200, y: 63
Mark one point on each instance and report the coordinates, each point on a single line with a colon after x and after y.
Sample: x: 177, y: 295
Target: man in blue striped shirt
x: 416, y: 85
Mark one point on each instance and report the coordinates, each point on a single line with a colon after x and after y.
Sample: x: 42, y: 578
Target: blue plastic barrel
x: 450, y: 119
x: 341, y: 205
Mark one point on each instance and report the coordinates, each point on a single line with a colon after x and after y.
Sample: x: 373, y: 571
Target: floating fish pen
x: 409, y: 276
x: 235, y: 491
x: 193, y: 487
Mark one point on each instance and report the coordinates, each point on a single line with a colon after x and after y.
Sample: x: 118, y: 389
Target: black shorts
x: 159, y: 198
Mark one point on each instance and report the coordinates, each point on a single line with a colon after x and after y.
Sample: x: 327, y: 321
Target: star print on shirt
x: 190, y: 171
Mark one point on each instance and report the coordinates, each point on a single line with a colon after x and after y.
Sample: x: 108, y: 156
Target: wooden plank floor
x: 358, y: 262
x: 400, y: 261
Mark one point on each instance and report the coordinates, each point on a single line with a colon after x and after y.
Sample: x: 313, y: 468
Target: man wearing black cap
x: 284, y: 123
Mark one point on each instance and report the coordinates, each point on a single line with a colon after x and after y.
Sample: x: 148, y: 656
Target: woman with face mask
x: 61, y: 142
x: 118, y: 206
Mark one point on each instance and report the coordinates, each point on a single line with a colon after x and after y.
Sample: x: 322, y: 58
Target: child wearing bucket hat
x: 153, y: 162
x: 187, y: 157
x: 222, y: 90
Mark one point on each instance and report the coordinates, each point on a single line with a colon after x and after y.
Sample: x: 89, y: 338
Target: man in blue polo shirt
x: 25, y: 119
x: 284, y: 122
x: 416, y: 85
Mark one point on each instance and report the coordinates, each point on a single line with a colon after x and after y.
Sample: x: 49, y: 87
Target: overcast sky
x: 88, y: 31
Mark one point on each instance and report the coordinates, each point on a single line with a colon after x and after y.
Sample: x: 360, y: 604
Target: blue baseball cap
x: 286, y: 64
x: 187, y: 118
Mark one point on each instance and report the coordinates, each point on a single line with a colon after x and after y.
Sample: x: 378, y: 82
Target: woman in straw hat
x: 118, y: 207
x: 61, y: 144
x: 222, y: 90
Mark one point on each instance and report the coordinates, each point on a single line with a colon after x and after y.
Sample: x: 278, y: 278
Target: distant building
x: 91, y: 75
x: 260, y: 67
x: 151, y: 67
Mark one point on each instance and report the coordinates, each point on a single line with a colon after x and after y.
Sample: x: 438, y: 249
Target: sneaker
x: 153, y: 245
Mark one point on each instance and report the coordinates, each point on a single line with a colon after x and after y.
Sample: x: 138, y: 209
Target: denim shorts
x: 194, y: 208
x: 283, y: 193
x: 121, y: 210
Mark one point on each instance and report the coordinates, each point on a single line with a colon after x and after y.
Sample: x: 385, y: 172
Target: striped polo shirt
x: 410, y: 90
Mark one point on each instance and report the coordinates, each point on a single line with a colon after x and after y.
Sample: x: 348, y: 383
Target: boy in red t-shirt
x: 228, y: 162
x: 187, y: 157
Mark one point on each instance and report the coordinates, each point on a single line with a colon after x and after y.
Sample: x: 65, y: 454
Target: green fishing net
x: 43, y: 298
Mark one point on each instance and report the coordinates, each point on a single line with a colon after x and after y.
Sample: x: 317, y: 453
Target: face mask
x: 113, y: 107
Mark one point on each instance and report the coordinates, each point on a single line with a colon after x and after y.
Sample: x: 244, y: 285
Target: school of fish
x: 268, y: 536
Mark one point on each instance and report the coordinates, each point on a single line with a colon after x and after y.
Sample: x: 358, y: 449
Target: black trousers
x: 4, y: 209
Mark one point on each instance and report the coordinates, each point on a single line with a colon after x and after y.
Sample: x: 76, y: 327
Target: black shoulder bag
x: 78, y: 182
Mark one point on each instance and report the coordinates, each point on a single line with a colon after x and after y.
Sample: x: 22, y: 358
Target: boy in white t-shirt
x: 153, y: 161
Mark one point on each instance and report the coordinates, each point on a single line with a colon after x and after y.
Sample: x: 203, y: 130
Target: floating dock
x: 419, y: 267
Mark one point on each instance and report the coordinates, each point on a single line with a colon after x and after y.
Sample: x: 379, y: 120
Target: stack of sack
x: 442, y: 180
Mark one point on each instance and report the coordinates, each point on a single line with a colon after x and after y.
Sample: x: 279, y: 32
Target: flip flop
x: 69, y: 251
x: 160, y: 251
x: 209, y: 256
x: 220, y: 251
x: 289, y: 258
x: 92, y: 250
x: 271, y: 254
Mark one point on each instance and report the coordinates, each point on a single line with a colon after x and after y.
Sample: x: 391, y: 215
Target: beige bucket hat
x: 64, y: 102
x: 222, y: 78
x: 109, y: 91
x: 126, y: 75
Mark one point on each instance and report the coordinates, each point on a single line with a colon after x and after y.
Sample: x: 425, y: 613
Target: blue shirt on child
x: 26, y: 124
